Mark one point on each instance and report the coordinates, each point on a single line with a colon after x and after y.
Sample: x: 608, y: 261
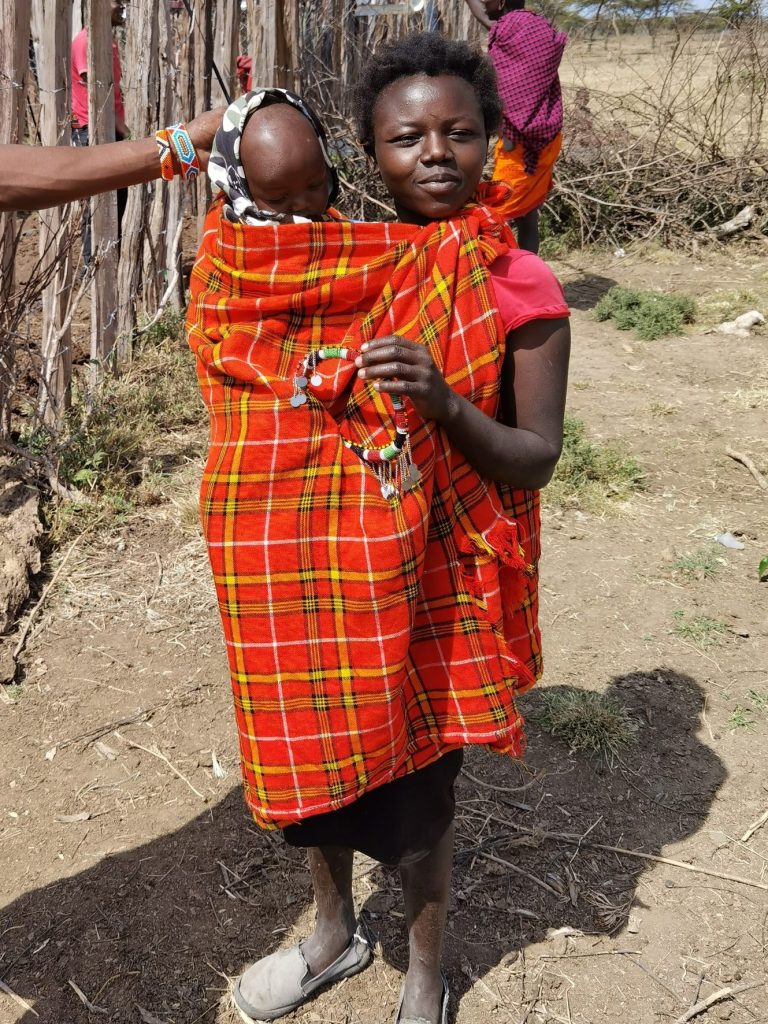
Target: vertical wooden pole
x: 14, y: 57
x: 203, y: 44
x: 226, y: 45
x: 140, y: 91
x: 54, y: 18
x: 101, y: 128
x: 274, y: 36
x: 162, y: 253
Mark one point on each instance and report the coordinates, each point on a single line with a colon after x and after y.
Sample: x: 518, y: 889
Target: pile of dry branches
x: 675, y: 157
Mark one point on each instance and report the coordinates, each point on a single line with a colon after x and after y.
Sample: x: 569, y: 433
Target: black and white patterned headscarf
x: 226, y: 170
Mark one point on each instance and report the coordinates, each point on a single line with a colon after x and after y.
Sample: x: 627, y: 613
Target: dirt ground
x: 133, y: 879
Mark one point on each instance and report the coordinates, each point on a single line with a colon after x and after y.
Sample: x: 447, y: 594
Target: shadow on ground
x: 161, y: 926
x: 585, y: 291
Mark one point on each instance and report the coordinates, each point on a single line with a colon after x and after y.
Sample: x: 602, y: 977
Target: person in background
x: 526, y: 51
x: 244, y: 73
x: 80, y: 109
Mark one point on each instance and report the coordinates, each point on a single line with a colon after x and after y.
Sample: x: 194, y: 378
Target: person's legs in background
x: 527, y: 228
x: 80, y: 138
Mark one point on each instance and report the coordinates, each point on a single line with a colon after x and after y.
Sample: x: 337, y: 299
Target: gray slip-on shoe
x: 423, y: 1020
x: 284, y: 982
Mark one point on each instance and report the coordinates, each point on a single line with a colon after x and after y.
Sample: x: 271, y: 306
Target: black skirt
x: 402, y: 819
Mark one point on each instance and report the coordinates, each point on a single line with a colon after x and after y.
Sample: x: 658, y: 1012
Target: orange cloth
x: 528, y: 190
x: 366, y: 635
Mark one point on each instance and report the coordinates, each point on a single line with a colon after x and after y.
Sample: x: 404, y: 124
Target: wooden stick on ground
x: 723, y: 993
x: 503, y: 789
x: 28, y: 624
x: 567, y: 837
x: 162, y: 757
x: 17, y: 999
x: 755, y: 826
x: 748, y: 464
x: 518, y: 871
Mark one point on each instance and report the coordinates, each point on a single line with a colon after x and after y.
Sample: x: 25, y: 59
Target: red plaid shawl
x: 366, y: 637
x: 526, y: 52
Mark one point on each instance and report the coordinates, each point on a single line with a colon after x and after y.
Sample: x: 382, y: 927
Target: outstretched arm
x: 478, y: 9
x: 33, y: 178
x: 520, y: 449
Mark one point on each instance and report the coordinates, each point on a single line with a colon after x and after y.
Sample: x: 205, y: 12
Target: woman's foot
x: 278, y: 984
x: 423, y: 997
x: 327, y: 942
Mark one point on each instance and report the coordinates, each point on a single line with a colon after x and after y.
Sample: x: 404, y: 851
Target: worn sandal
x: 423, y: 1020
x: 284, y: 981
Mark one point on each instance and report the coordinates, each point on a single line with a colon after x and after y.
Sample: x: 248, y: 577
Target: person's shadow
x: 153, y: 933
x: 658, y: 793
x: 585, y: 291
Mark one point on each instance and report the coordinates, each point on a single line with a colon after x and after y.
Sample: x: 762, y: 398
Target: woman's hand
x: 396, y: 366
x: 202, y: 130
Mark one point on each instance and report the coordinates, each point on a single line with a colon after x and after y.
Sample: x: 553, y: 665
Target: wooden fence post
x: 140, y: 94
x: 226, y: 46
x: 274, y: 36
x: 54, y: 18
x: 14, y: 58
x: 203, y: 46
x: 101, y: 128
x: 166, y: 220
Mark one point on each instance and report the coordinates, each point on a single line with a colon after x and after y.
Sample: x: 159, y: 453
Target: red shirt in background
x: 80, y: 88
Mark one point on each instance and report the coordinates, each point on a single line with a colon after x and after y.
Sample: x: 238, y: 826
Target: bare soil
x: 130, y: 869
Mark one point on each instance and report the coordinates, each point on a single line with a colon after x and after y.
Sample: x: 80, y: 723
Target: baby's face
x: 284, y: 164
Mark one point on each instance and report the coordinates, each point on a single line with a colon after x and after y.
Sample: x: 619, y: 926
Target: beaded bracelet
x: 392, y: 463
x: 176, y: 141
x: 167, y: 169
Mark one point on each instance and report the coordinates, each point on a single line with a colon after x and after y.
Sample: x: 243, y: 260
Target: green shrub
x: 651, y: 314
x: 589, y: 475
x: 115, y: 445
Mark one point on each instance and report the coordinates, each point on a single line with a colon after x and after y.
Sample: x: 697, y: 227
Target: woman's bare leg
x: 528, y: 231
x: 331, y: 870
x: 426, y: 889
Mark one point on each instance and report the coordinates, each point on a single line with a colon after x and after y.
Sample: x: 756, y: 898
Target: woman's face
x: 430, y: 145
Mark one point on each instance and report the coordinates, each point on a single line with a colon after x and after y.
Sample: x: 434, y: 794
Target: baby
x: 270, y: 158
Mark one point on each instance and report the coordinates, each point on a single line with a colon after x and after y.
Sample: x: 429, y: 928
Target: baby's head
x: 271, y: 160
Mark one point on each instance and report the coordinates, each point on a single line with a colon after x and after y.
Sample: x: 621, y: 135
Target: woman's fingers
x: 393, y: 357
x: 413, y: 389
x: 402, y: 370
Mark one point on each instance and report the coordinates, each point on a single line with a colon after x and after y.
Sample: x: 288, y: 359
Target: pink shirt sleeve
x: 80, y: 54
x: 526, y: 289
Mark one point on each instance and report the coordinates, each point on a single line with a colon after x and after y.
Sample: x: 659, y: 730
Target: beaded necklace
x: 392, y: 463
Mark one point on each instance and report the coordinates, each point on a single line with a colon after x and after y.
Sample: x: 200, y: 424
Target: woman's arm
x: 33, y: 178
x: 523, y: 449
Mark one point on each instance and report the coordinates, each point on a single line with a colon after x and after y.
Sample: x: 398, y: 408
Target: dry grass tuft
x: 591, y: 476
x: 117, y: 450
x: 699, y: 629
x: 702, y: 564
x: 589, y: 722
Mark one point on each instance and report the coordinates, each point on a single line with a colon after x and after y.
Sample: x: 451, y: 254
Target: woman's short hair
x: 425, y: 53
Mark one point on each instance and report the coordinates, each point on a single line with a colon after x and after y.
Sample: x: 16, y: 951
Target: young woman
x: 385, y: 401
